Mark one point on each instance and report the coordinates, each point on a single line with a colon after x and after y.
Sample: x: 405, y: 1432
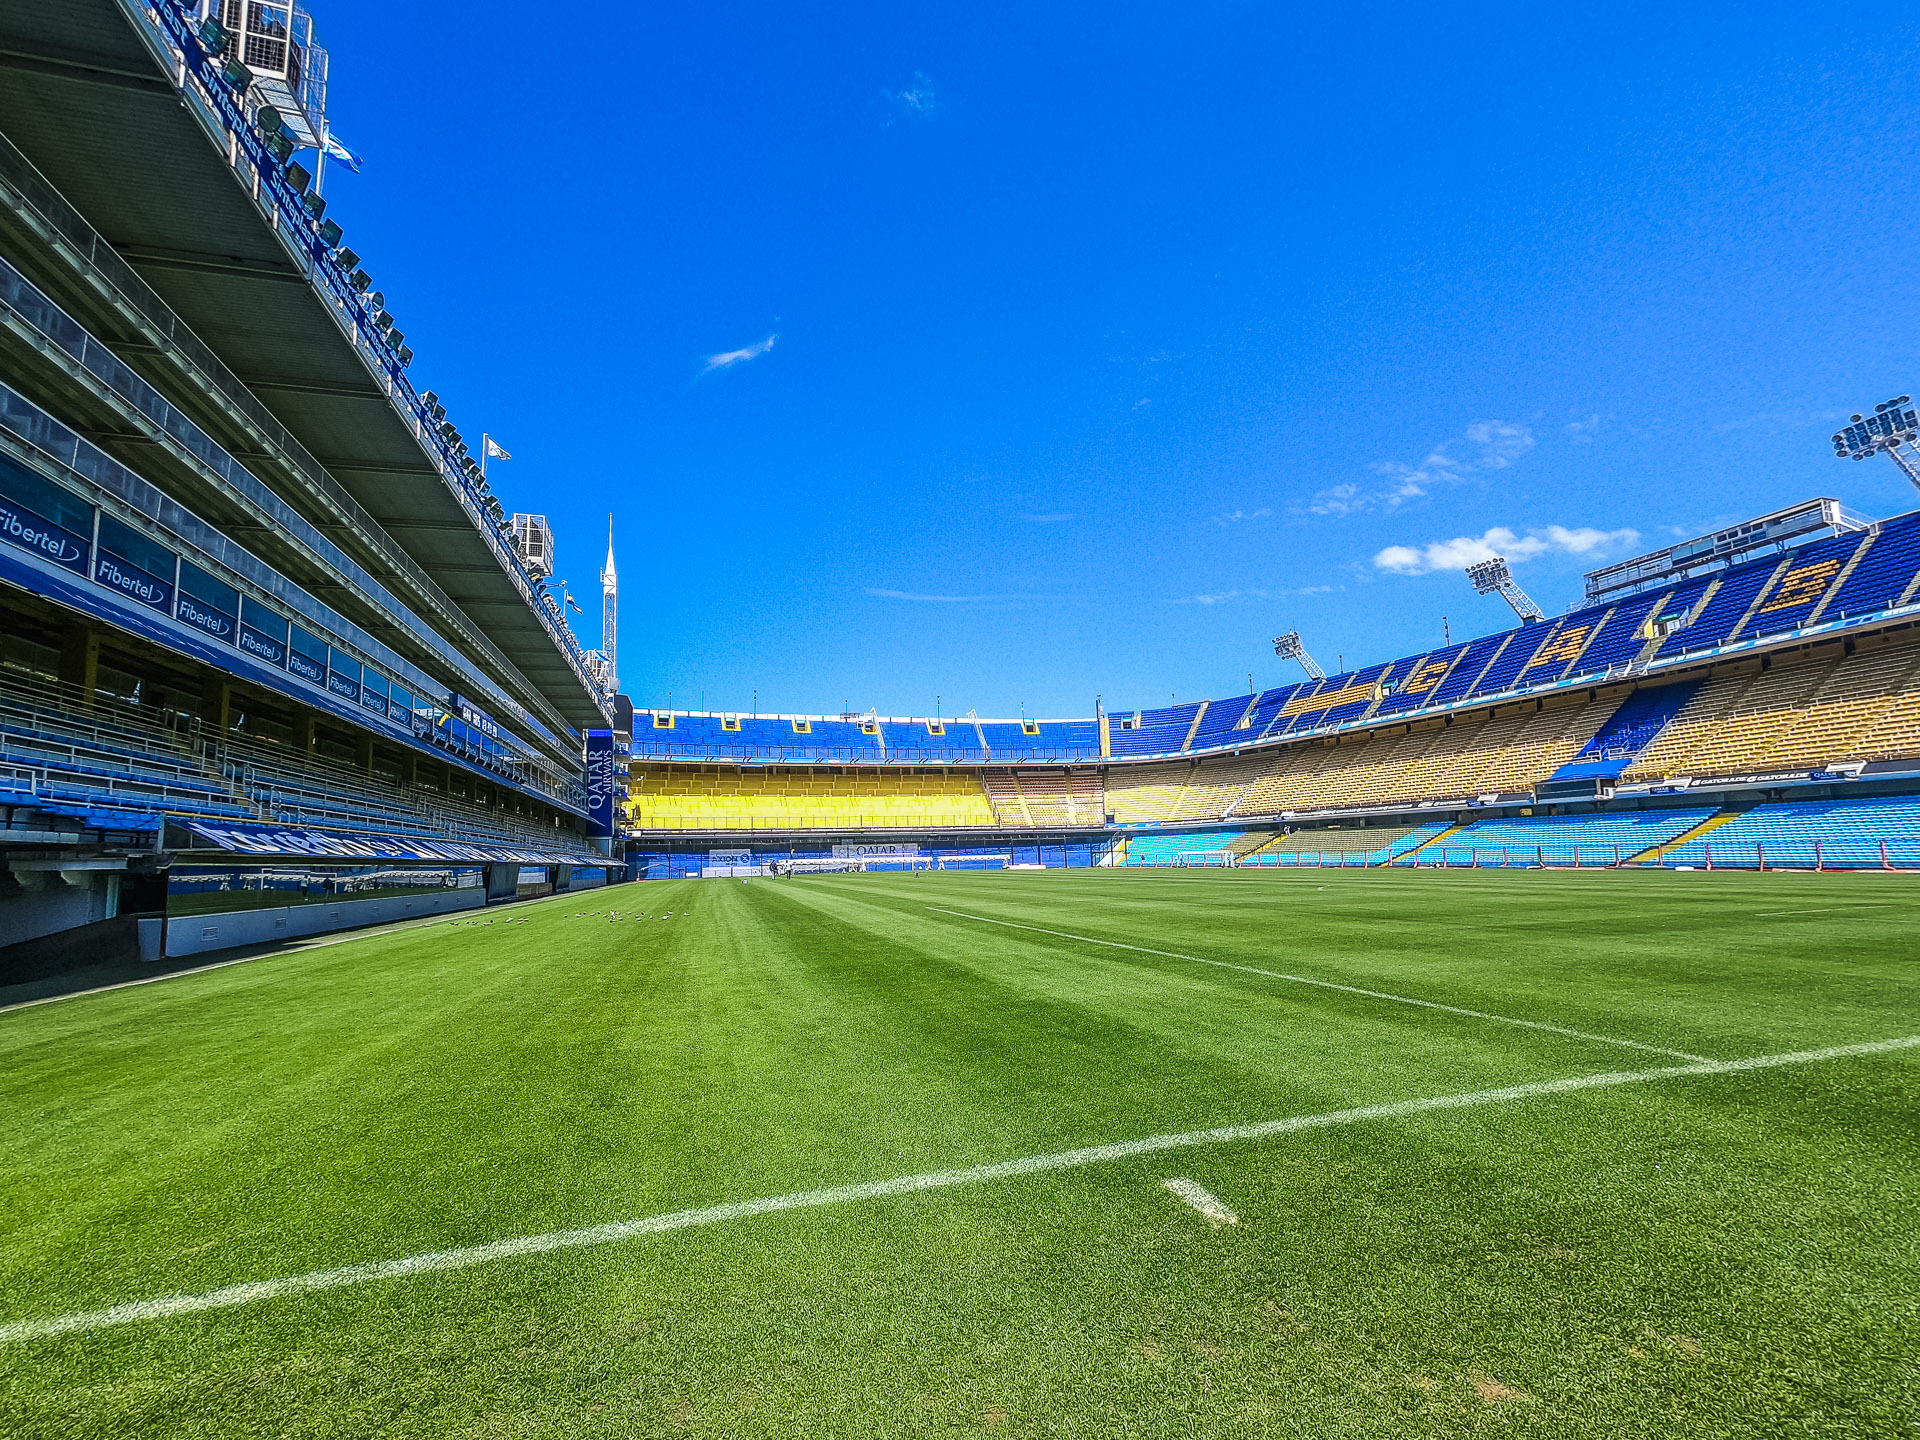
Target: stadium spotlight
x: 279, y: 147
x: 213, y: 35
x: 269, y: 121
x: 349, y: 259
x: 315, y: 203
x: 396, y: 339
x: 404, y: 356
x: 298, y: 176
x: 360, y: 280
x: 237, y: 75
x: 1288, y: 647
x: 1892, y: 424
x: 330, y: 233
x: 382, y: 318
x: 1492, y: 577
x: 429, y: 398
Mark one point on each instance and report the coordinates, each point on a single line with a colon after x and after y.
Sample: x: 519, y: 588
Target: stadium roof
x: 85, y: 97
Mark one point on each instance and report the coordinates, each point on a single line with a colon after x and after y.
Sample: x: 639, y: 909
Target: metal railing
x: 198, y: 76
x: 49, y: 322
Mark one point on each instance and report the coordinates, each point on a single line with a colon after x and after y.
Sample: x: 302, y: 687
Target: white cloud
x: 1497, y: 442
x: 1581, y: 432
x: 1222, y: 597
x: 727, y: 359
x: 916, y: 596
x: 1500, y: 443
x: 1059, y: 519
x: 1227, y: 597
x: 1234, y: 517
x: 1465, y: 550
x: 917, y: 100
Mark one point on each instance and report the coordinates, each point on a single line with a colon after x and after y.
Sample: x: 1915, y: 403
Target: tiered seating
x: 1063, y: 798
x: 1883, y: 575
x: 1167, y: 849
x: 1146, y: 794
x: 1011, y: 740
x: 63, y: 752
x: 685, y: 797
x: 1215, y: 787
x: 1160, y: 732
x: 1839, y: 834
x: 1855, y: 696
x: 1641, y: 716
x: 1527, y: 841
x: 1003, y: 793
x: 1520, y: 651
x: 1764, y: 711
x: 1474, y: 756
x: 1218, y: 725
x: 1371, y: 845
x: 1725, y: 608
x: 1813, y: 713
x: 315, y: 791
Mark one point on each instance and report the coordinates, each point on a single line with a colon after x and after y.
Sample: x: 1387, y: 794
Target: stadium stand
x: 1374, y: 845
x: 1860, y: 834
x: 674, y: 797
x: 242, y: 625
x: 1179, y: 848
x: 1528, y: 841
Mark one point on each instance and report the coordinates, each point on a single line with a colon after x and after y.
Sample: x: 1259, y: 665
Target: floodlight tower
x: 1288, y: 647
x: 1892, y: 424
x: 1491, y: 577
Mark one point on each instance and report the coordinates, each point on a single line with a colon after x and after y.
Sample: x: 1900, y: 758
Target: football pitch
x: 1474, y: 1153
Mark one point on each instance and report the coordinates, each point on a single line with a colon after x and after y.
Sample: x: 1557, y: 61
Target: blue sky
x: 1015, y: 355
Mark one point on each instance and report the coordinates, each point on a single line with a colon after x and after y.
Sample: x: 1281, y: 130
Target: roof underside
x: 84, y: 99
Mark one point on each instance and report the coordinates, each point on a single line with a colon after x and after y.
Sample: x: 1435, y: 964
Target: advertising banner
x: 250, y: 839
x: 604, y: 783
x: 873, y: 852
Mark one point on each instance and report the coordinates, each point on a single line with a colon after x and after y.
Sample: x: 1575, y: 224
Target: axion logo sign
x: 44, y: 538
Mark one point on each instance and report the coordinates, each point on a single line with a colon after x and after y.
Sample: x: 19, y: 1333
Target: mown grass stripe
x: 1335, y: 985
x: 168, y: 1306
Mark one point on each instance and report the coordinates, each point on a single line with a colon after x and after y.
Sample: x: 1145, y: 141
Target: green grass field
x: 1701, y: 1252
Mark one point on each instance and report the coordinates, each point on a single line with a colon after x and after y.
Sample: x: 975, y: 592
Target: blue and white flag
x: 341, y: 153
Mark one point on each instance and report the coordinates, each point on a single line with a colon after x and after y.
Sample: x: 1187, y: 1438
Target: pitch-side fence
x: 1758, y: 855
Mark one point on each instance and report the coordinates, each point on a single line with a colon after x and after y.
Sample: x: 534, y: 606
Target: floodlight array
x: 1892, y: 424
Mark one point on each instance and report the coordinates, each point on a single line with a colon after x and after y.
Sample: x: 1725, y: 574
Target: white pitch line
x: 1203, y: 1200
x: 166, y: 1306
x: 1335, y: 985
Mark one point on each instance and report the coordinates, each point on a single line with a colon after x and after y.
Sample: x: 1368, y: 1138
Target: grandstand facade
x: 1697, y: 718
x: 270, y: 660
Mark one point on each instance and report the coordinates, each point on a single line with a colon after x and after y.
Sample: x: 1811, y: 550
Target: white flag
x: 493, y: 449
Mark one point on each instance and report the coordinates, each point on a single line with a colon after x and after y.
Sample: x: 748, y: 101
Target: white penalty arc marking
x: 1203, y: 1200
x: 166, y: 1306
x: 1335, y: 985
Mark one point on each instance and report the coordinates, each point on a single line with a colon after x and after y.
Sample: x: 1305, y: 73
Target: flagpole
x: 484, y: 437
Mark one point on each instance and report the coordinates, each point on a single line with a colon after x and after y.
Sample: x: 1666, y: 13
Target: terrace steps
x: 1655, y: 853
